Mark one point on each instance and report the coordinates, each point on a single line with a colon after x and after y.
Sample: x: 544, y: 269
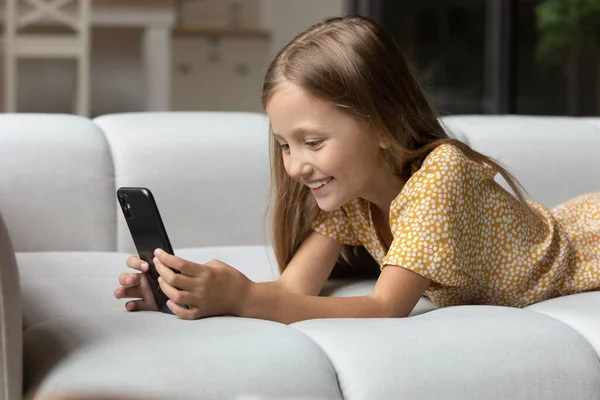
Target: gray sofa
x: 63, y: 243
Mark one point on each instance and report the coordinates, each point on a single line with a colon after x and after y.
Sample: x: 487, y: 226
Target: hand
x: 135, y: 285
x: 210, y: 289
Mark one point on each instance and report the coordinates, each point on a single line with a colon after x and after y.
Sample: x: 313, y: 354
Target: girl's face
x: 328, y: 150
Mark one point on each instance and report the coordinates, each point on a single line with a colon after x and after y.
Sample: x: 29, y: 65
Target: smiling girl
x: 358, y: 158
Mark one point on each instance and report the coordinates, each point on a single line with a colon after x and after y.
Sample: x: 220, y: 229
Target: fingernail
x: 157, y: 251
x: 144, y: 266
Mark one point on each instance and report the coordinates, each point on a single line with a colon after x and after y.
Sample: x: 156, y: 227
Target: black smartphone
x: 148, y: 233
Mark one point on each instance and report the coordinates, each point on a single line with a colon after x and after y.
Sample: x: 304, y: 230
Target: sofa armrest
x: 11, y: 325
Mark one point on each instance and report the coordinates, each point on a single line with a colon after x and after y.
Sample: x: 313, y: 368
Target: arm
x: 294, y: 298
x: 216, y: 288
x: 310, y: 267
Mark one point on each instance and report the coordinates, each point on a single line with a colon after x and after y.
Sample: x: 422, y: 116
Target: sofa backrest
x: 208, y: 172
x: 554, y: 158
x: 56, y: 178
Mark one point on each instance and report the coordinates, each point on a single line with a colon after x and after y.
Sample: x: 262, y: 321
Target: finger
x: 129, y: 279
x: 147, y: 294
x: 136, y: 263
x: 137, y: 305
x: 215, y: 263
x: 146, y: 301
x: 173, y: 262
x: 134, y: 292
x: 174, y: 279
x: 178, y: 296
x: 184, y: 313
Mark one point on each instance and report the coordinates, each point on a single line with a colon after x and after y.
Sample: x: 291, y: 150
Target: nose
x: 297, y: 166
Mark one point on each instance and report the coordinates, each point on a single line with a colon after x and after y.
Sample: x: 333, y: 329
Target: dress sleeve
x: 336, y: 225
x: 432, y: 218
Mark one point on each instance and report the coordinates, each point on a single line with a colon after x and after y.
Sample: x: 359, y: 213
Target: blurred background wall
x: 220, y: 50
x: 471, y: 56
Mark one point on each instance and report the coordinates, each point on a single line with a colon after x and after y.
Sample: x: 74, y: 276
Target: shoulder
x: 444, y: 164
x: 445, y: 174
x: 445, y: 157
x: 447, y: 161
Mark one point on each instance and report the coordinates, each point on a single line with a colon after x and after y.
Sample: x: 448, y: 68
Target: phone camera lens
x: 125, y: 206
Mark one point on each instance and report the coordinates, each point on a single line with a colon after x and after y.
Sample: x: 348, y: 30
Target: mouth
x: 319, y: 184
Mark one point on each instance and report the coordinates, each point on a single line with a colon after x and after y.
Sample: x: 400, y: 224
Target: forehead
x: 292, y: 110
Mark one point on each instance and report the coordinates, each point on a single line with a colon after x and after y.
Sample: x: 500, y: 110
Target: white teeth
x: 319, y: 184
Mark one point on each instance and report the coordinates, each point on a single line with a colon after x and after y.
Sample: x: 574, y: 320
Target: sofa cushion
x: 57, y: 284
x: 208, y: 171
x: 580, y: 311
x: 69, y: 303
x: 56, y: 183
x: 591, y: 120
x: 466, y: 352
x: 149, y: 355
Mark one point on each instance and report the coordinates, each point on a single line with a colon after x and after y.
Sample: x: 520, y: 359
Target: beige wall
x: 117, y: 86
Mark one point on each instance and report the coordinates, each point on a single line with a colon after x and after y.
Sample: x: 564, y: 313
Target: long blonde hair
x: 354, y: 64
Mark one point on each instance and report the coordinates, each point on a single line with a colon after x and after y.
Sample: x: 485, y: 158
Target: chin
x: 328, y: 205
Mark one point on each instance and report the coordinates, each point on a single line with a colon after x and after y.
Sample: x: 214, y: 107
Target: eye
x: 314, y: 144
x: 285, y: 148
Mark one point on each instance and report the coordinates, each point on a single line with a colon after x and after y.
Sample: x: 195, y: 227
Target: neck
x: 384, y: 192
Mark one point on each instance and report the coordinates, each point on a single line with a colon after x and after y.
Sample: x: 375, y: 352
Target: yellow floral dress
x: 453, y: 224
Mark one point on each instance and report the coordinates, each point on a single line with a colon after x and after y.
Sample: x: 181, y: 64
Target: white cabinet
x: 218, y: 71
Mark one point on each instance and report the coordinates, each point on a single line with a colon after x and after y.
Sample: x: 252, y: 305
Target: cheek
x: 363, y: 166
x: 286, y: 164
x: 349, y: 163
x: 331, y: 163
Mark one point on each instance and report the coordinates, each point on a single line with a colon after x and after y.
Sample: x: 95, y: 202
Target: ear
x: 384, y: 143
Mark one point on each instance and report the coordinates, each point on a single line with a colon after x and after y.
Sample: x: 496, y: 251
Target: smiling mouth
x: 320, y: 184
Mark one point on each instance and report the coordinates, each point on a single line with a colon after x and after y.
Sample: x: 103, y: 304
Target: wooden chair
x: 75, y: 45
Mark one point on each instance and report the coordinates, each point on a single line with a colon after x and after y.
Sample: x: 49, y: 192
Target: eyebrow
x: 299, y: 131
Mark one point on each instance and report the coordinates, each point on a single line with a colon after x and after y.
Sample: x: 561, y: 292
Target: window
x: 479, y: 56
